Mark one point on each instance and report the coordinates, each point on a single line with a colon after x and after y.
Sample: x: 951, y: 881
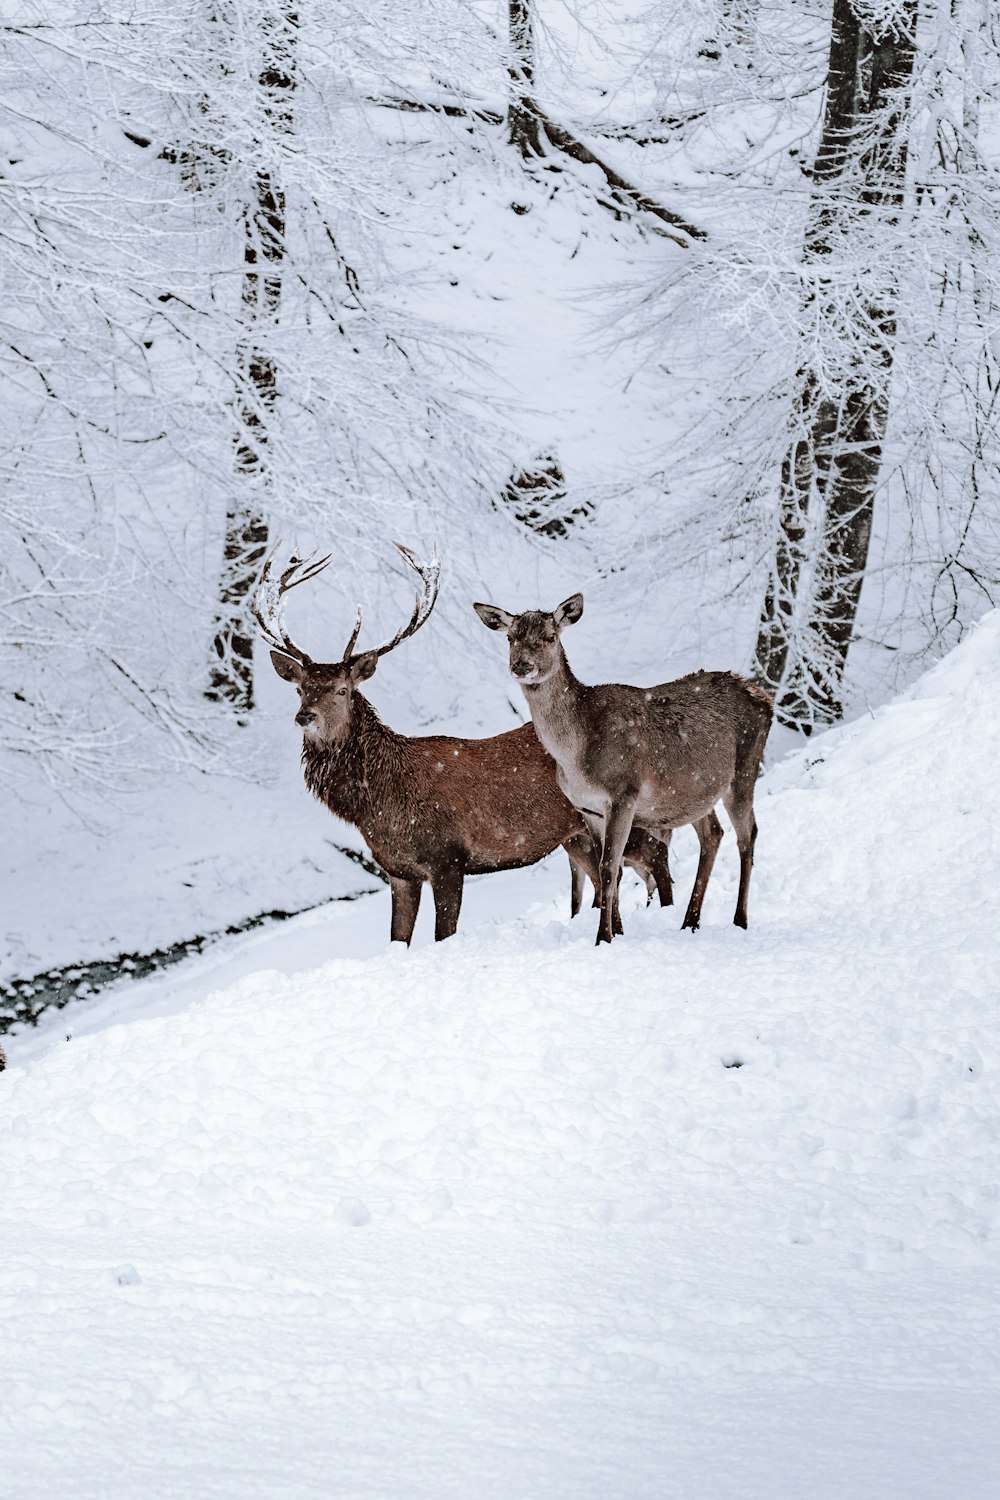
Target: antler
x: 429, y: 574
x: 269, y: 601
x: 268, y: 606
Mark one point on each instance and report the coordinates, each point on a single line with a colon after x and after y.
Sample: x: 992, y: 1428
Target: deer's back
x: 676, y: 746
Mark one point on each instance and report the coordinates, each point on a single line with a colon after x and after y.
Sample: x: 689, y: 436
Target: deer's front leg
x: 709, y: 831
x: 446, y: 883
x: 405, y: 904
x: 617, y: 828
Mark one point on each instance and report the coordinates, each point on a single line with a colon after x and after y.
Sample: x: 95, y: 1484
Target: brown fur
x: 660, y: 756
x: 435, y: 808
x: 432, y: 808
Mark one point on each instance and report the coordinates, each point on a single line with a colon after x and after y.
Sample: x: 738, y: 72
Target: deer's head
x: 326, y: 689
x: 535, y: 650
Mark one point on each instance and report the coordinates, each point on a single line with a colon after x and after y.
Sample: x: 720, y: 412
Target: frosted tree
x: 523, y: 125
x: 263, y: 216
x: 202, y: 336
x: 841, y: 407
x: 834, y: 475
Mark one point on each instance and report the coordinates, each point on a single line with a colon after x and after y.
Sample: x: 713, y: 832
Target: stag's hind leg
x: 660, y: 871
x: 709, y: 831
x: 649, y: 858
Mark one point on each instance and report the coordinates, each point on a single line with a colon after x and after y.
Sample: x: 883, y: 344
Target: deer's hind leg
x: 738, y: 802
x: 709, y: 831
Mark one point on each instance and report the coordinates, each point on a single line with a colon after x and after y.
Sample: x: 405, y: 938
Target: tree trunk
x: 523, y: 124
x: 841, y: 410
x: 231, y: 673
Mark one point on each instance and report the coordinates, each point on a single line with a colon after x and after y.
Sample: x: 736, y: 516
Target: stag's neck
x: 556, y: 708
x: 360, y: 779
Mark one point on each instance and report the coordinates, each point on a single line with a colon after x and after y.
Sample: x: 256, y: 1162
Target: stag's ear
x: 494, y: 618
x: 364, y: 666
x: 569, y: 611
x: 286, y: 666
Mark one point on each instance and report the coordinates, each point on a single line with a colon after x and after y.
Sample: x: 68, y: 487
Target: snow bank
x: 707, y: 1215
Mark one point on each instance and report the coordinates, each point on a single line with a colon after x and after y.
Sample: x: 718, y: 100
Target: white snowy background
x: 693, y: 1217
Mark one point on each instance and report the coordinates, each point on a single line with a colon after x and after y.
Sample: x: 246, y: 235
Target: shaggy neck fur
x: 360, y: 779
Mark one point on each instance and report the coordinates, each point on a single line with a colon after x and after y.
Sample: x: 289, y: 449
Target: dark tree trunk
x: 523, y: 124
x: 830, y: 472
x: 231, y: 674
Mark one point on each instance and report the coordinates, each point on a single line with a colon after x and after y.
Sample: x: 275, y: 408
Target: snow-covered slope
x: 512, y: 1217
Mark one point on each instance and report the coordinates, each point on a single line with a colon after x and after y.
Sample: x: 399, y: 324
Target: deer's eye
x: 550, y: 640
x: 341, y: 692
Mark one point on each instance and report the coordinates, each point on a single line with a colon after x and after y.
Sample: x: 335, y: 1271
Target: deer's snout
x: 522, y: 668
x: 305, y: 717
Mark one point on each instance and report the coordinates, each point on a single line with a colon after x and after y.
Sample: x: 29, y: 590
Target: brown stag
x: 430, y: 808
x: 655, y: 758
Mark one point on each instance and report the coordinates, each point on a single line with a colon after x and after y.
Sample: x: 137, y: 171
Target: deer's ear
x: 569, y: 611
x: 286, y: 666
x: 494, y: 618
x: 364, y: 666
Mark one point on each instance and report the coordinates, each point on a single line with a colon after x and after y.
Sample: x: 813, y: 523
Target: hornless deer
x: 431, y: 808
x: 657, y: 757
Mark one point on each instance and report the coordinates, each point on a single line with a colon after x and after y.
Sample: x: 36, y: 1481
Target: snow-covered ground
x: 516, y: 1218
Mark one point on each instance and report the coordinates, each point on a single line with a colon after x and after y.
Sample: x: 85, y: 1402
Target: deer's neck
x: 361, y: 779
x: 556, y: 707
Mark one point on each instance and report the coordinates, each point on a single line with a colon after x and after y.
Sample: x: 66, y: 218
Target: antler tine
x: 429, y: 574
x: 306, y: 567
x: 354, y: 633
x: 268, y: 606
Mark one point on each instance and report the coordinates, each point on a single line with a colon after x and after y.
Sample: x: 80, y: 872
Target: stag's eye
x: 550, y: 640
x: 341, y: 692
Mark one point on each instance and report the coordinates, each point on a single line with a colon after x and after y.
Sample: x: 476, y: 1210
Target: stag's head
x: 535, y: 651
x: 326, y: 689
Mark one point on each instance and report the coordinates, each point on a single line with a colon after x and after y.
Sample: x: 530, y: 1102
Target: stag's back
x: 500, y: 796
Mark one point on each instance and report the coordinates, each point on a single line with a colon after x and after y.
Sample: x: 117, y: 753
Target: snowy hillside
x: 514, y: 1218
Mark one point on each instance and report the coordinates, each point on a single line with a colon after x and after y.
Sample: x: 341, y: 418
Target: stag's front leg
x: 583, y: 865
x: 660, y: 871
x: 617, y: 828
x: 405, y: 905
x: 446, y: 883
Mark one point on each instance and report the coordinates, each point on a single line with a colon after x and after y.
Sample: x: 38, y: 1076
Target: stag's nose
x: 305, y: 717
x: 523, y: 668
